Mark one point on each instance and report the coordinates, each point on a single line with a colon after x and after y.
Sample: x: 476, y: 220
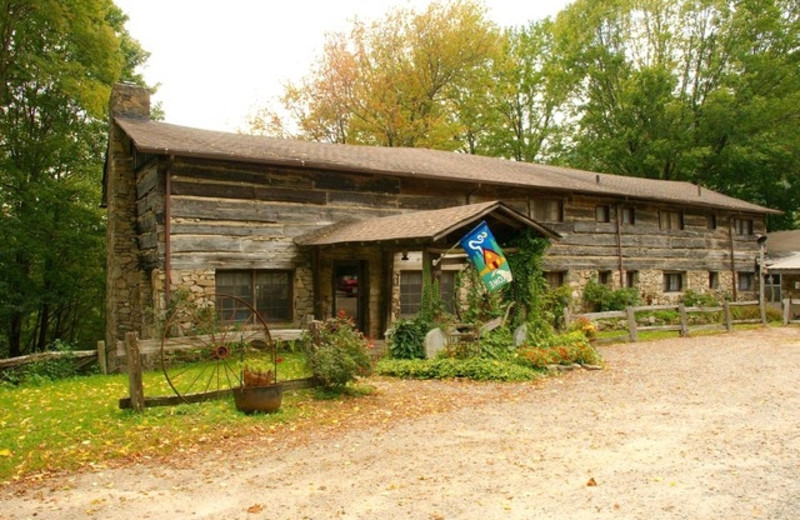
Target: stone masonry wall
x: 124, y: 278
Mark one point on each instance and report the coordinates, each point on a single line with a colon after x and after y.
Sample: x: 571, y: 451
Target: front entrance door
x: 350, y: 291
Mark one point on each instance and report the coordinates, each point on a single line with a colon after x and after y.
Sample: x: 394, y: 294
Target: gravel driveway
x: 699, y: 428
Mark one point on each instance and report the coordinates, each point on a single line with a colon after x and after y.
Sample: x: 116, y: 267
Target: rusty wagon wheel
x: 206, y: 343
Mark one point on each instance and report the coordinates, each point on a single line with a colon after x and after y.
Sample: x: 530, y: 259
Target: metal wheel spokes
x: 205, y: 344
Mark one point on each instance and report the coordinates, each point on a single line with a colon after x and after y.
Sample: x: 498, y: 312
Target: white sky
x: 217, y: 60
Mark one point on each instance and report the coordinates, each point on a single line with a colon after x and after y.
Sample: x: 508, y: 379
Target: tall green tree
x: 699, y: 90
x: 58, y: 61
x: 529, y: 90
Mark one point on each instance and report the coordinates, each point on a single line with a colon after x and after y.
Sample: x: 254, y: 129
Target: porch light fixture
x: 405, y: 256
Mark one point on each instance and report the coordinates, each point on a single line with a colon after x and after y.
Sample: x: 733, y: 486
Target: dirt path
x: 701, y: 428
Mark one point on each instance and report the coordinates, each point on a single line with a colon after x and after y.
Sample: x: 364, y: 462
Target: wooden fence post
x: 101, y: 357
x: 632, y: 324
x: 684, y: 320
x: 135, y: 387
x: 787, y: 311
x: 728, y: 320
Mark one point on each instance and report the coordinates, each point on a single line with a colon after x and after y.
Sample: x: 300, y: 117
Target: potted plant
x: 259, y: 390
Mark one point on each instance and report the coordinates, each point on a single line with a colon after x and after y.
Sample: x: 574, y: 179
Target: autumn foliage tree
x: 394, y: 82
x: 705, y: 91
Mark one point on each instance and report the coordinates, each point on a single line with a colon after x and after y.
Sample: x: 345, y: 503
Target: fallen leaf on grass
x: 591, y: 482
x: 255, y: 508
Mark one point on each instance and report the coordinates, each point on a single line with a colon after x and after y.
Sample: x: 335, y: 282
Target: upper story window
x: 548, y: 210
x: 628, y: 216
x: 743, y: 226
x: 269, y: 292
x: 711, y: 221
x: 602, y: 213
x: 670, y: 220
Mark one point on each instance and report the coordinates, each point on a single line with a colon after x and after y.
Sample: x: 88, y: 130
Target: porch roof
x: 421, y: 227
x: 787, y: 265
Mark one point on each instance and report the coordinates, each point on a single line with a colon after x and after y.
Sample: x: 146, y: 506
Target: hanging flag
x: 486, y: 256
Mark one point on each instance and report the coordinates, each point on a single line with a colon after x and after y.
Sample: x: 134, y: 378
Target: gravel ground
x: 700, y: 428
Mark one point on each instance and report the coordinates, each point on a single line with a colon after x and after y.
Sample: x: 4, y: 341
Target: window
x: 269, y: 292
x: 711, y: 221
x: 604, y: 277
x: 673, y: 282
x: 745, y: 281
x: 602, y: 213
x: 555, y: 278
x: 628, y: 216
x: 548, y: 210
x: 631, y: 277
x: 713, y: 280
x: 772, y: 287
x: 743, y: 226
x: 670, y: 220
x: 411, y: 291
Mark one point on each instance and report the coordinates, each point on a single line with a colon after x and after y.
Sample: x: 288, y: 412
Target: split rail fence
x: 684, y: 327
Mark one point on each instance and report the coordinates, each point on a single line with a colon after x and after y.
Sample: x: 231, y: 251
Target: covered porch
x: 355, y: 263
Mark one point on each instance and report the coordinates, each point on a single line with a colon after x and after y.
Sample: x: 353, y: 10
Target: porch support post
x: 387, y: 287
x: 316, y: 283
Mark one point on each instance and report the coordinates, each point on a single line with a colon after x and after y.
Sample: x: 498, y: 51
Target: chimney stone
x: 130, y: 100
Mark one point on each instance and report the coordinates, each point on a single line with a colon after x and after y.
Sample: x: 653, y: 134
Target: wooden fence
x: 684, y: 328
x: 133, y: 350
x: 791, y: 311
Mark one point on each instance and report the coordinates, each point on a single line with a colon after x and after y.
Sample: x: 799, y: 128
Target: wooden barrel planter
x: 252, y: 399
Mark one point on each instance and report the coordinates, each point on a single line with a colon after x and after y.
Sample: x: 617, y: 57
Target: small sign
x: 487, y: 257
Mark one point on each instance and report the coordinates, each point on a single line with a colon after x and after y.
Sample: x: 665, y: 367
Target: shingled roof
x: 422, y: 227
x: 153, y: 137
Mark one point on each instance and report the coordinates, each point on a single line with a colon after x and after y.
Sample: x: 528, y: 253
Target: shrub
x: 564, y: 349
x: 406, y: 338
x: 39, y: 372
x: 602, y: 298
x: 697, y: 299
x: 339, y: 355
x: 478, y: 369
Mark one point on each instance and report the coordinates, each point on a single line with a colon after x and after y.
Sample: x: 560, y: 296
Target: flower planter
x: 250, y: 399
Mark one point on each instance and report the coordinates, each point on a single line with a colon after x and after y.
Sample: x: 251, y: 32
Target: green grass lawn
x: 77, y: 422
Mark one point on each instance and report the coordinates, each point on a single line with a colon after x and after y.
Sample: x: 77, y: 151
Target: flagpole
x: 441, y: 257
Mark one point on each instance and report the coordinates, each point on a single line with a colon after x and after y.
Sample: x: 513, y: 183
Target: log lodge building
x: 307, y: 229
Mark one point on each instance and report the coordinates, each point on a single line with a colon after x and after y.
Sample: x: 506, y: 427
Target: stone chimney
x: 126, y: 283
x: 128, y: 100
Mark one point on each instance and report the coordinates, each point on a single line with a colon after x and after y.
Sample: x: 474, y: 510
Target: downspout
x: 168, y: 232
x: 733, y: 262
x: 619, y: 246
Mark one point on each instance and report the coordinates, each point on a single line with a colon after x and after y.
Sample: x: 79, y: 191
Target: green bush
x: 697, y: 299
x: 340, y: 355
x: 39, y: 372
x: 601, y: 298
x: 406, y: 338
x: 478, y: 369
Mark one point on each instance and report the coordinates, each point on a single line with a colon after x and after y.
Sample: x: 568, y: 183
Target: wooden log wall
x: 242, y: 216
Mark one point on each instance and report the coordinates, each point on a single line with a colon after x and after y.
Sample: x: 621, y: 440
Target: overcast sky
x: 216, y: 60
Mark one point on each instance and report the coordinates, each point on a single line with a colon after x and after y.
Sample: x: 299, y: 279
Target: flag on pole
x: 487, y: 257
